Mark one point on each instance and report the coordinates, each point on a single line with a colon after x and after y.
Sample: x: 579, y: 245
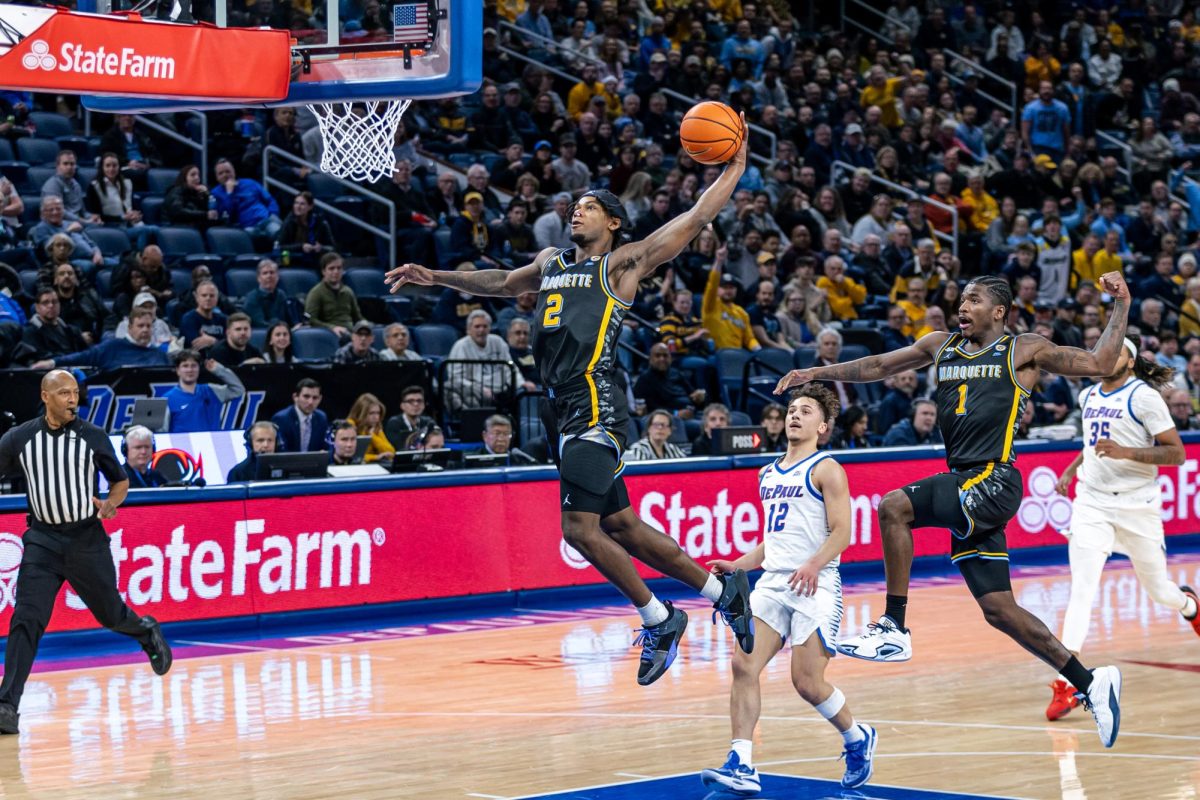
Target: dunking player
x: 982, y: 378
x: 798, y: 600
x: 583, y: 292
x: 1127, y: 433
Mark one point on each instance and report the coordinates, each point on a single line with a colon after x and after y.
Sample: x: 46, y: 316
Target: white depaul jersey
x: 1131, y: 416
x: 796, y: 525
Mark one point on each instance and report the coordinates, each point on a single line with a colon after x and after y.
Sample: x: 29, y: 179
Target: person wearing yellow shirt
x: 726, y: 321
x: 1110, y: 257
x: 843, y: 294
x: 1083, y: 262
x: 914, y: 308
x: 1189, y: 319
x: 729, y: 10
x: 581, y: 94
x: 984, y: 208
x: 882, y: 91
x: 1041, y: 66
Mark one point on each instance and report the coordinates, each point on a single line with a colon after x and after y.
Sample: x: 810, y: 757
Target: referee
x: 60, y: 454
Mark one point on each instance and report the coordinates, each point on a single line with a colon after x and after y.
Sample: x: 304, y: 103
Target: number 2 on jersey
x: 776, y: 515
x: 554, y: 304
x: 962, y: 400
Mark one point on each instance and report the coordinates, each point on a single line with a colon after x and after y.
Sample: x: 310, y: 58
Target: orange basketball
x: 711, y: 132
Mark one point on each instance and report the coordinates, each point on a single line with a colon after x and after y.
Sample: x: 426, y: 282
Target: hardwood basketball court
x: 543, y: 703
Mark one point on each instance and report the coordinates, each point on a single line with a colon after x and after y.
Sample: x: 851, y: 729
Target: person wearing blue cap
x: 584, y: 292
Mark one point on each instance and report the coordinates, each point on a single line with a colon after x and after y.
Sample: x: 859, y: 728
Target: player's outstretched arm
x: 670, y: 240
x: 1074, y: 362
x: 484, y: 282
x: 918, y: 355
x: 829, y: 478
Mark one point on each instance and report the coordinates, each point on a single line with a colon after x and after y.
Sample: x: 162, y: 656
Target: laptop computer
x: 360, y: 448
x: 485, y: 460
x: 151, y: 412
x: 288, y: 466
x: 738, y: 440
x: 421, y: 460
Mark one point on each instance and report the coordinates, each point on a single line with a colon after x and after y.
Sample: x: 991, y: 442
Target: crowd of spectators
x: 1048, y: 145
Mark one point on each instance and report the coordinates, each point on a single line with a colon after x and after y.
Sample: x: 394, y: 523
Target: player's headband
x: 1132, y: 348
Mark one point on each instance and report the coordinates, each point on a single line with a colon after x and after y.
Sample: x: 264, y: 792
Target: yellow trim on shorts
x: 980, y: 478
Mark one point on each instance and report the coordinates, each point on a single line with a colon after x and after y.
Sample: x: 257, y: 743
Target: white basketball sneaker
x: 1103, y: 699
x: 883, y: 641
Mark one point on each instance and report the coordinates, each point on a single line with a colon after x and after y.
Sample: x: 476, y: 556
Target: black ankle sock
x: 895, y: 608
x: 1077, y: 674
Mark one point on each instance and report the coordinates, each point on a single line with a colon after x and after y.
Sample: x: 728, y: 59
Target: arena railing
x: 838, y: 167
x: 201, y: 147
x: 878, y: 33
x: 460, y: 387
x: 687, y: 102
x: 1126, y: 171
x: 388, y: 235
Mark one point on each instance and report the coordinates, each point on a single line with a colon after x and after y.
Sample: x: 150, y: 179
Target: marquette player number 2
x: 583, y: 293
x: 982, y: 379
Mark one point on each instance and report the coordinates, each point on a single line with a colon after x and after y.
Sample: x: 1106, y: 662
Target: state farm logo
x: 1042, y: 506
x: 39, y: 56
x: 11, y: 550
x: 77, y: 59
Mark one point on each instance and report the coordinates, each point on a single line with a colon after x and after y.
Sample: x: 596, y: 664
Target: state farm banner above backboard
x: 51, y: 49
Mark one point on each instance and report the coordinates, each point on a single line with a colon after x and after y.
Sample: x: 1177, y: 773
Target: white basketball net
x: 359, y: 138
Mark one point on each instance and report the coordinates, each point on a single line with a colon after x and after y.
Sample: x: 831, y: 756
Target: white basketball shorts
x: 1128, y: 523
x: 795, y: 617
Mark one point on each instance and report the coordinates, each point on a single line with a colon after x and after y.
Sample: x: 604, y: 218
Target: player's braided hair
x: 1153, y: 373
x: 998, y: 288
x: 826, y: 399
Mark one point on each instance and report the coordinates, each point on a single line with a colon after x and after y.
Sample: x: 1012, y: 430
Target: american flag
x: 410, y: 22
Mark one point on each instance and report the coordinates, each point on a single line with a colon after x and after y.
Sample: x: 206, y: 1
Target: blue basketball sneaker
x: 734, y: 608
x: 734, y: 778
x: 660, y: 644
x: 860, y: 757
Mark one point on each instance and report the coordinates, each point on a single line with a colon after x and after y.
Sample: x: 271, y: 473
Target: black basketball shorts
x: 585, y: 429
x: 975, y: 504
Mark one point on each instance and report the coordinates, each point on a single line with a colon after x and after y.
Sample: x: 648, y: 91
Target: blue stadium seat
x: 15, y: 171
x: 151, y: 208
x: 462, y: 160
x: 366, y: 282
x: 86, y: 175
x: 103, y: 281
x: 325, y: 186
x: 730, y: 363
x: 112, y: 241
x: 29, y: 279
x: 6, y: 151
x: 530, y: 420
x: 77, y: 145
x: 441, y: 244
x: 239, y: 282
x: 177, y: 243
x: 433, y: 340
x: 160, y: 179
x: 804, y: 357
x: 399, y: 307
x: 297, y: 282
x: 50, y: 125
x: 740, y: 418
x: 258, y: 338
x: 37, y: 151
x: 181, y: 282
x: 314, y: 344
x: 37, y: 175
x: 343, y: 231
x: 33, y: 208
x: 229, y: 241
x: 377, y: 343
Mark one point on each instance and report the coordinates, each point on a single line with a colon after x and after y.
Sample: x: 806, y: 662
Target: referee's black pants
x: 81, y: 556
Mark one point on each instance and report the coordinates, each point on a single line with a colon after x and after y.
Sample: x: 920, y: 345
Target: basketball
x: 711, y: 132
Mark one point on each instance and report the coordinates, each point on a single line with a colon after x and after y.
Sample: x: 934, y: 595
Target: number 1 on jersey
x: 554, y: 304
x: 962, y: 400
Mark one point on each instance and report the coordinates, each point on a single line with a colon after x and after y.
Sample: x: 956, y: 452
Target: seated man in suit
x: 262, y: 438
x: 497, y: 441
x: 302, y: 426
x: 138, y: 449
x: 412, y: 418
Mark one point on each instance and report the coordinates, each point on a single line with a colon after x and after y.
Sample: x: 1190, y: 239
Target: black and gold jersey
x: 979, y: 401
x: 577, y: 320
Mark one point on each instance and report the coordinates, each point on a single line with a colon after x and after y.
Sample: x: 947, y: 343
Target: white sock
x: 744, y: 749
x: 853, y: 733
x: 712, y: 589
x: 653, y: 612
x: 1189, y: 607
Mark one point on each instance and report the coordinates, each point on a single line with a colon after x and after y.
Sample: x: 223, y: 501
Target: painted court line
x: 258, y: 649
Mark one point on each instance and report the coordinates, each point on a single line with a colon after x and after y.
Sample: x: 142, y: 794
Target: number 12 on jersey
x: 776, y: 515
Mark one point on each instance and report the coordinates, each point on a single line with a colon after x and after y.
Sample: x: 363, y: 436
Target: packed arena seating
x: 896, y: 152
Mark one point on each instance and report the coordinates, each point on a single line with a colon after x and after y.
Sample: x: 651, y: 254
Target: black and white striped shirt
x: 60, y: 467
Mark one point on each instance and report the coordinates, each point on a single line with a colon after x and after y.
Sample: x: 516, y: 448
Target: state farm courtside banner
x: 187, y: 560
x: 66, y: 51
